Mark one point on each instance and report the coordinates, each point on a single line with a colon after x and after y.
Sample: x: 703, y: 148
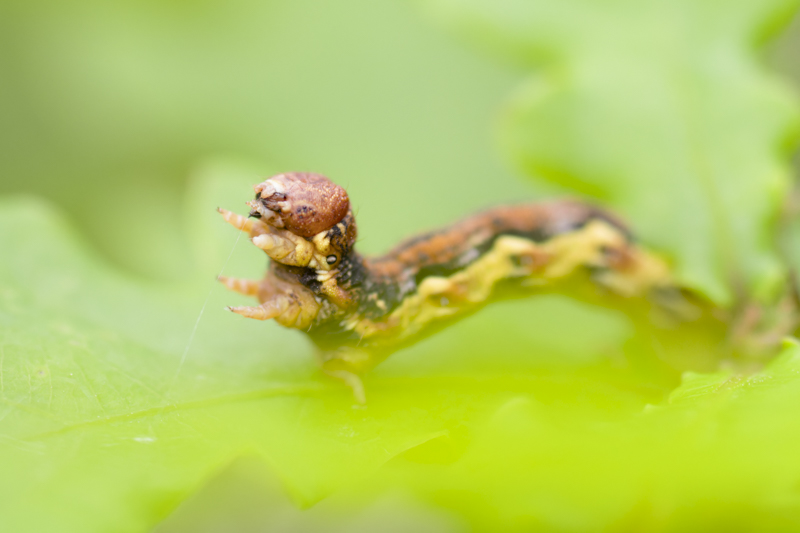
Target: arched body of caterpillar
x: 358, y: 310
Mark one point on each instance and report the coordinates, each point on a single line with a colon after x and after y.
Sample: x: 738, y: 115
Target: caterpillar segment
x: 359, y: 310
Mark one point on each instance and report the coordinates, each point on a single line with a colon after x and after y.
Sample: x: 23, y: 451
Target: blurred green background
x: 108, y: 108
x: 114, y: 111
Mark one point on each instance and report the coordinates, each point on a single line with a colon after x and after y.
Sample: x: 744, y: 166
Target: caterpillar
x: 358, y: 310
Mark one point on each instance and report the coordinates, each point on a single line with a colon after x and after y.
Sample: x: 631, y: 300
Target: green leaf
x: 720, y: 455
x: 661, y: 109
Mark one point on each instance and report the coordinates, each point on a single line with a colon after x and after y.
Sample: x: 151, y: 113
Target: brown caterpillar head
x: 300, y: 202
x: 310, y: 206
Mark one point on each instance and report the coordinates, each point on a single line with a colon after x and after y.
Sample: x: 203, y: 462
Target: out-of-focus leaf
x: 660, y: 109
x: 247, y: 498
x: 720, y: 455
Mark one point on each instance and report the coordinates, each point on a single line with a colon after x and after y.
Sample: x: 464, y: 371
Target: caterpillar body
x: 358, y: 310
